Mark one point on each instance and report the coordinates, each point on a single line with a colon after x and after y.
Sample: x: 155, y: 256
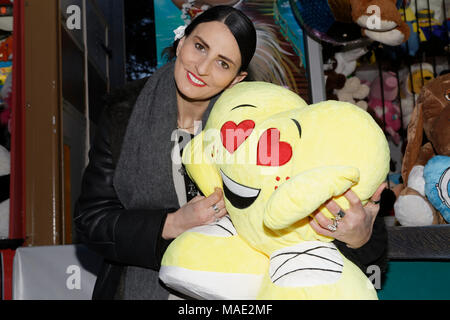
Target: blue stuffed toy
x: 437, y: 184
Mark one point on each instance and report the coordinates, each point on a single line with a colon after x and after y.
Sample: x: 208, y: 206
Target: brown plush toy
x: 432, y: 117
x: 380, y: 20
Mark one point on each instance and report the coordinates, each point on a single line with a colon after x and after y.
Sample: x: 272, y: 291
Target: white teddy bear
x: 354, y: 92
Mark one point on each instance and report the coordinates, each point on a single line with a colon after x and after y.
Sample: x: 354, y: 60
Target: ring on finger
x: 340, y: 215
x: 215, y: 208
x: 333, y: 227
x: 216, y: 211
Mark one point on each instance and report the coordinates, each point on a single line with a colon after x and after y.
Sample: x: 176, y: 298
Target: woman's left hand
x: 355, y: 227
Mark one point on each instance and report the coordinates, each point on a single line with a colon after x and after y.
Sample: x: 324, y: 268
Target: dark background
x: 140, y: 35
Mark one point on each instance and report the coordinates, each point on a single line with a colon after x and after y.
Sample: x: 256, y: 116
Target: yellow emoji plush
x: 278, y: 160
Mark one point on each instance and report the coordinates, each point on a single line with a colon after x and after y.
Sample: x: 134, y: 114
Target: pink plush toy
x: 390, y: 118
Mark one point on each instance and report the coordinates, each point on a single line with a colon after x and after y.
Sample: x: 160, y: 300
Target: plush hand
x: 282, y: 209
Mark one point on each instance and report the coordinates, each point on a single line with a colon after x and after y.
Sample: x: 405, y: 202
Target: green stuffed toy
x: 278, y: 160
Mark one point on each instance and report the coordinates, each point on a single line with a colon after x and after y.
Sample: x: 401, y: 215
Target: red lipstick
x: 194, y: 80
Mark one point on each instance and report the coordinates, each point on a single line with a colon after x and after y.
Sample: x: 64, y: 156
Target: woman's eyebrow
x: 207, y: 46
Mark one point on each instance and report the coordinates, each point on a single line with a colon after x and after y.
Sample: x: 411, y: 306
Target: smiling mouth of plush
x: 194, y: 80
x: 385, y: 26
x: 240, y: 196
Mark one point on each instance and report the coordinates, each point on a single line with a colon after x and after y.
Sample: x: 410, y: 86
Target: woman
x: 131, y: 205
x: 274, y: 60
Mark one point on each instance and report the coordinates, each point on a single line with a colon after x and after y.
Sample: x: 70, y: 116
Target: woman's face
x: 208, y: 61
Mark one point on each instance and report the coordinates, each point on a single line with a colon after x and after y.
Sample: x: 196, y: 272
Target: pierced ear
x: 240, y: 77
x: 180, y: 44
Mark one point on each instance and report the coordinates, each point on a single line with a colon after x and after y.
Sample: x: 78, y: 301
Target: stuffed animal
x: 4, y: 192
x: 354, y: 92
x: 6, y: 101
x: 380, y: 20
x: 412, y: 45
x: 339, y: 87
x: 277, y: 160
x: 333, y: 82
x: 425, y: 199
x: 386, y: 111
x: 427, y: 26
x: 346, y: 61
x: 437, y: 186
x: 411, y: 83
x: 6, y: 49
x: 344, y: 21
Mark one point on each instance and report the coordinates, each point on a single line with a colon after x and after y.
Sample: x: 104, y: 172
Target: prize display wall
x: 405, y: 87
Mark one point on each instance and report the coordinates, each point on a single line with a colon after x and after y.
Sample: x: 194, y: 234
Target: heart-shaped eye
x: 271, y: 151
x: 234, y: 135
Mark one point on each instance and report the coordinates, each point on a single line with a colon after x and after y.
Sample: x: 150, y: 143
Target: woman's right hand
x: 199, y: 211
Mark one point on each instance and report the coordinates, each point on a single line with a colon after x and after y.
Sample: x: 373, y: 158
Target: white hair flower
x: 179, y: 32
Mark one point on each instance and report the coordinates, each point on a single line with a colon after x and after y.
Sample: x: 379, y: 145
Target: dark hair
x: 237, y: 22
